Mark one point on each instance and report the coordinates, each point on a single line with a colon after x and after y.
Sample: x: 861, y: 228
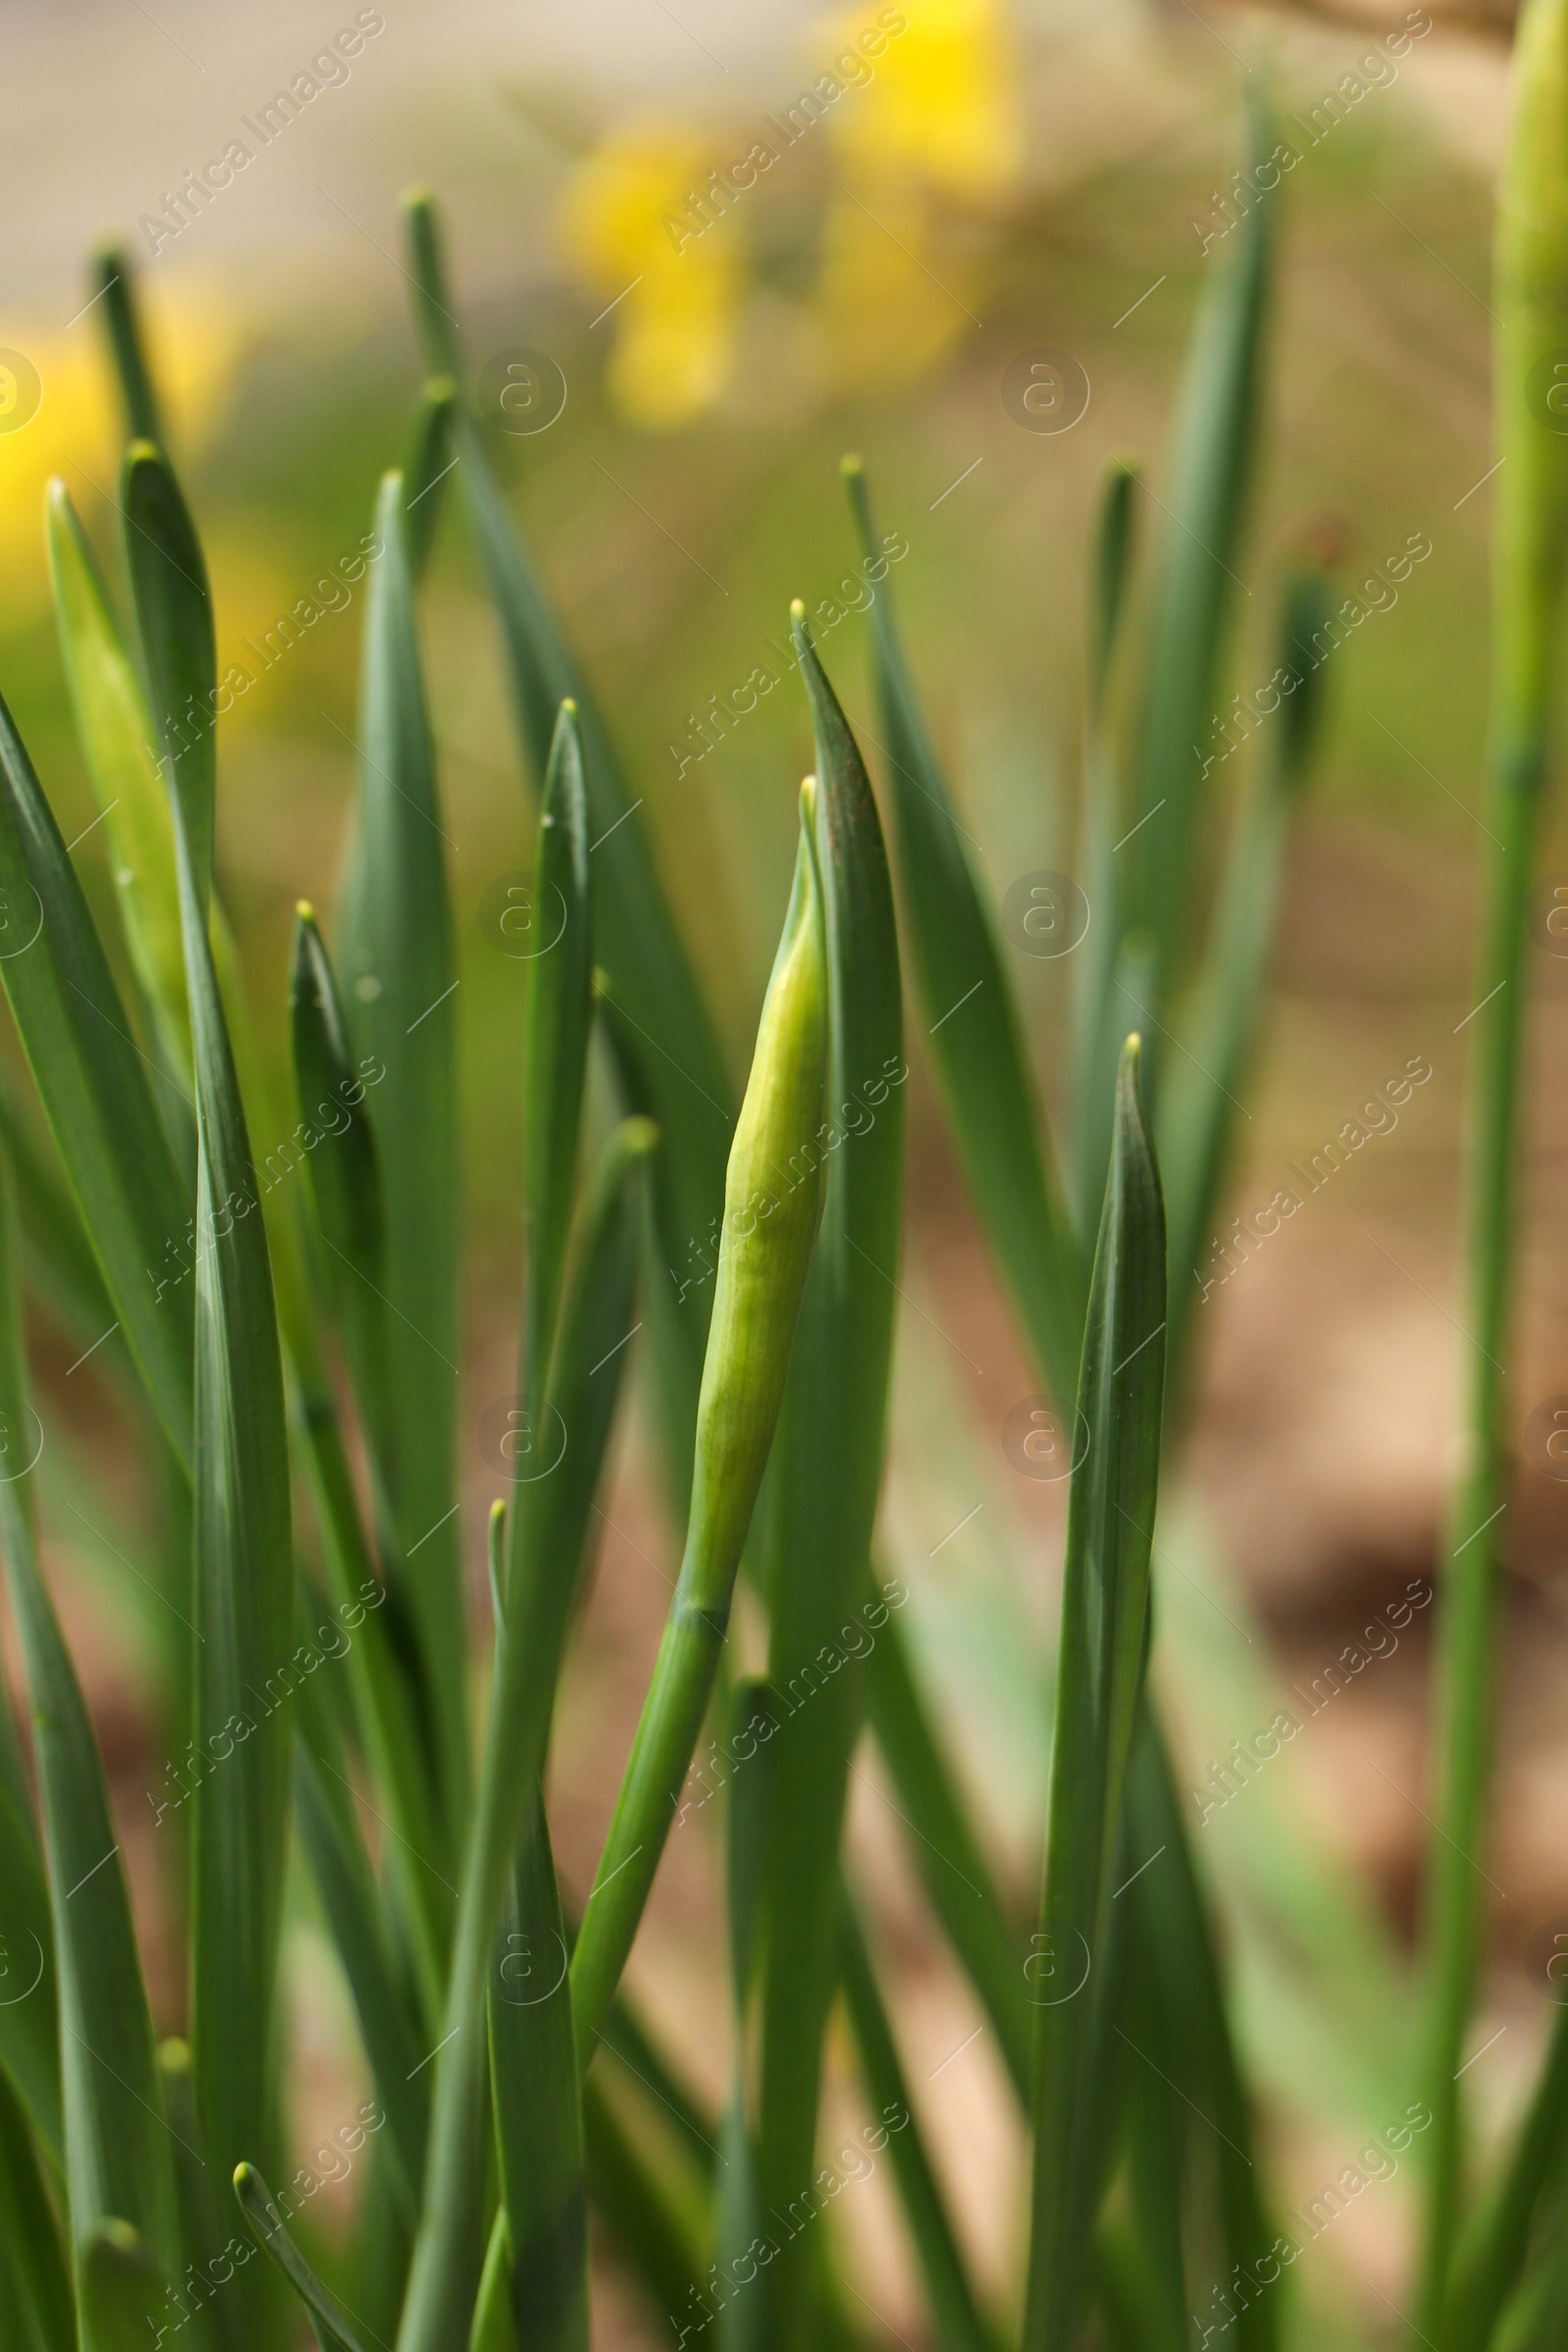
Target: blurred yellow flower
x: 675, y: 319
x: 913, y: 103
x: 885, y: 317
x: 75, y: 428
x: 943, y: 104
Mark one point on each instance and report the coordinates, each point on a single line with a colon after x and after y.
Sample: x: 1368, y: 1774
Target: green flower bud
x: 773, y: 1200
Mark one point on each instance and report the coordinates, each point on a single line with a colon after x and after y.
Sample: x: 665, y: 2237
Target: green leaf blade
x: 959, y: 2325
x: 972, y: 1021
x: 401, y: 979
x: 552, y: 1512
x: 115, y: 729
x: 559, y: 1017
x: 178, y: 641
x: 1198, y: 1101
x: 827, y: 1468
x: 670, y: 1056
x: 36, y: 2295
x: 1213, y: 468
x: 243, y: 1580
x: 538, y: 2106
x: 117, y: 2143
x: 93, y: 1082
x: 116, y: 285
x: 1110, y: 1519
x: 265, y: 2221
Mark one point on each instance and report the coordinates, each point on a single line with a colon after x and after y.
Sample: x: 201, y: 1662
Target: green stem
x: 1530, y: 289
x: 1467, y: 1627
x: 382, y: 1710
x: 959, y: 2325
x: 1491, y: 2254
x: 666, y: 1736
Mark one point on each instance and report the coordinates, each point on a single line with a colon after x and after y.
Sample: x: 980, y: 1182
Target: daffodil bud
x: 772, y: 1198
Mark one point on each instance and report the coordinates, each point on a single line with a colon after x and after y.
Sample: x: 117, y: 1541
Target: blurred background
x: 1004, y: 176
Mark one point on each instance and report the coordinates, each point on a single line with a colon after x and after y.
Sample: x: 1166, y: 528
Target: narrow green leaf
x: 1537, y: 2316
x: 93, y: 1083
x: 827, y: 1471
x: 669, y: 2098
x: 752, y: 1727
x: 116, y: 2142
x: 115, y: 729
x: 394, y: 2041
x: 542, y: 1586
x: 495, y: 2327
x: 971, y: 1022
x: 1530, y: 543
x: 675, y: 1073
x: 30, y: 2009
x: 57, y: 1257
x: 37, y: 2280
x: 957, y: 2321
x: 773, y: 1193
x: 1211, y: 474
x: 560, y: 1016
x: 946, y: 1852
x: 1196, y: 1119
x: 1099, y: 1020
x: 178, y: 636
x: 958, y: 1880
x: 397, y: 954
x: 433, y: 322
x: 432, y: 457
x: 537, y: 2106
x: 1112, y: 579
x: 1490, y: 2254
x: 393, y: 1700
x: 1111, y: 1518
x: 753, y: 1718
x: 124, y: 2298
x: 203, y: 2208
x: 244, y: 1560
x: 29, y: 2012
x: 1197, y: 2051
x: 342, y: 1172
x: 171, y: 586
x: 1163, y: 2166
x: 115, y: 287
x: 658, y: 2233
x: 1124, y: 2301
x: 271, y: 2233
x: 658, y: 2238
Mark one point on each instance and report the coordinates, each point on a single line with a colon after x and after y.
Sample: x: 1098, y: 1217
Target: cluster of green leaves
x: 289, y: 1352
